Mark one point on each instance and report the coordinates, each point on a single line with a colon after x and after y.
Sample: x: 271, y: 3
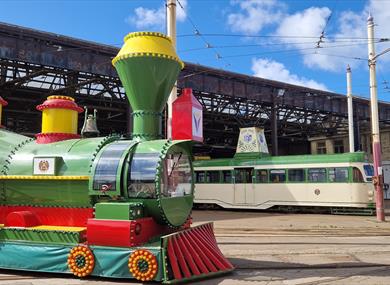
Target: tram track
x: 345, y: 232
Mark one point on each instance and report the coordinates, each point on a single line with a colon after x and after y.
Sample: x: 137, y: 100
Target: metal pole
x: 350, y: 111
x: 376, y: 145
x: 274, y: 126
x: 171, y: 31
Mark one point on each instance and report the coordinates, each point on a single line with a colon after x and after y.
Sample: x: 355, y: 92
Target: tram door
x: 243, y: 186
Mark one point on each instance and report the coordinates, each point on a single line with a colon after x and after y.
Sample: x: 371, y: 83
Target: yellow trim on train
x: 58, y: 228
x: 41, y: 177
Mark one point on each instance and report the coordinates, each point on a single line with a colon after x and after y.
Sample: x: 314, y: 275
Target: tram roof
x: 288, y: 159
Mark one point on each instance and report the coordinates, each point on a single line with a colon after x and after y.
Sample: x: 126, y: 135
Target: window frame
x: 344, y: 167
x: 326, y: 175
x: 222, y: 176
x: 288, y: 175
x: 208, y: 177
x: 285, y: 176
x: 257, y: 176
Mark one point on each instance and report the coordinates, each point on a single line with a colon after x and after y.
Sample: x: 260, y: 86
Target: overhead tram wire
x: 279, y: 36
x: 200, y: 35
x: 322, y: 36
x: 285, y: 51
x: 272, y: 44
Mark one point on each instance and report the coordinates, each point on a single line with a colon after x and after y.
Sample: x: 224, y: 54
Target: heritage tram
x: 255, y: 180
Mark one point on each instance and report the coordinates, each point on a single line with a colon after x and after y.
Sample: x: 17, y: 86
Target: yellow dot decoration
x: 60, y: 97
x: 143, y: 265
x: 81, y: 261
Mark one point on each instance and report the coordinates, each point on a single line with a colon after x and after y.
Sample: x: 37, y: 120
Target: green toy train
x: 107, y: 206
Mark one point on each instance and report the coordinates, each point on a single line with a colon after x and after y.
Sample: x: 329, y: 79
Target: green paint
x: 290, y: 159
x: 65, y: 193
x: 41, y: 236
x: 10, y: 142
x: 119, y: 211
x: 75, y: 157
x: 147, y: 82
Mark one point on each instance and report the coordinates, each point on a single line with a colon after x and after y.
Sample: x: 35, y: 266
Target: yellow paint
x: 60, y: 97
x: 147, y: 44
x: 59, y: 121
x: 1, y: 225
x: 41, y: 177
x: 58, y: 228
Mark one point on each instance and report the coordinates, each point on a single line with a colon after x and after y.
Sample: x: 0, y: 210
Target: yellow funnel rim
x: 140, y: 34
x: 147, y: 44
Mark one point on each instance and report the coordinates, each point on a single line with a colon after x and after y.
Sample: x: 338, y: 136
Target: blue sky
x: 273, y: 39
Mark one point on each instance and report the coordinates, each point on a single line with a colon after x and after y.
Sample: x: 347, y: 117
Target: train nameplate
x: 44, y: 165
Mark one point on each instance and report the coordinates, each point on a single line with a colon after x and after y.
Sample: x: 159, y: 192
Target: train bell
x: 90, y: 129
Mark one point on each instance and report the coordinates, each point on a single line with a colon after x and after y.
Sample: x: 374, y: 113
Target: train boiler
x: 107, y: 206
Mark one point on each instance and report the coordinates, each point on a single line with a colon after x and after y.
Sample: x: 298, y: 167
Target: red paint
x: 180, y: 258
x: 195, y: 255
x: 52, y: 216
x: 212, y: 255
x: 173, y: 261
x: 200, y: 249
x: 188, y: 257
x: 183, y: 115
x: 380, y: 211
x: 3, y: 102
x: 22, y: 219
x: 60, y: 104
x: 54, y: 137
x: 122, y: 233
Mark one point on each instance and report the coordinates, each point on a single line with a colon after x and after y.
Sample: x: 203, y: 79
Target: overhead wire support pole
x: 376, y: 145
x: 171, y: 32
x: 350, y: 111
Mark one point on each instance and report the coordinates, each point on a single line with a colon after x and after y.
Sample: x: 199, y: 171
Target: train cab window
x: 357, y: 175
x: 338, y: 174
x: 213, y: 176
x: 262, y: 176
x: 142, y: 175
x: 243, y: 175
x: 316, y: 175
x: 296, y: 175
x: 227, y: 176
x: 200, y: 176
x: 277, y: 175
x: 176, y: 175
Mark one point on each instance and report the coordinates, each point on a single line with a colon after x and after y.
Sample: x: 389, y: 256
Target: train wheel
x: 81, y: 261
x: 143, y: 265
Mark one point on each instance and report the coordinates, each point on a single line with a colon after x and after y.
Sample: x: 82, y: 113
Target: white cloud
x: 348, y: 39
x: 270, y: 69
x: 254, y: 15
x: 143, y: 18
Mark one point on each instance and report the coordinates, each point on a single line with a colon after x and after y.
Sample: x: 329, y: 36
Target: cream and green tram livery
x: 340, y: 182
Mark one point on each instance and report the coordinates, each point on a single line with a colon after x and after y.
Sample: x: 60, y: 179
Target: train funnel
x: 148, y: 67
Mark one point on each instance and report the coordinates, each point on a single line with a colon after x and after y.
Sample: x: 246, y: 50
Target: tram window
x: 277, y: 175
x: 227, y: 176
x: 262, y: 176
x: 316, y: 175
x: 357, y: 175
x: 338, y: 174
x: 213, y: 176
x: 296, y: 175
x: 368, y: 169
x: 200, y: 176
x: 243, y: 175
